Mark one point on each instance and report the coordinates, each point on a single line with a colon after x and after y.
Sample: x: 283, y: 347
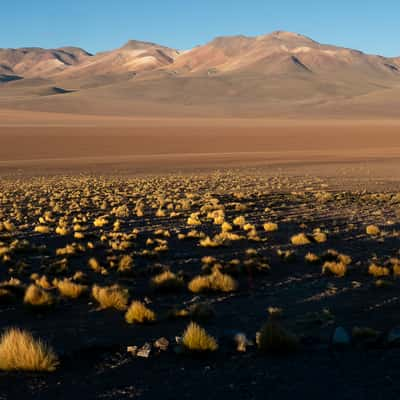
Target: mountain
x: 37, y: 62
x: 278, y: 74
x: 134, y: 57
x: 281, y: 53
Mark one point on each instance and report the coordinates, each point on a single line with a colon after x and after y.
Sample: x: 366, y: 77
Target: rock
x: 393, y: 337
x: 132, y: 349
x: 178, y: 339
x: 161, y: 344
x: 341, y: 337
x: 241, y: 342
x: 144, y: 351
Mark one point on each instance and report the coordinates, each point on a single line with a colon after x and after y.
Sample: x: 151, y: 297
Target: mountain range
x: 278, y: 74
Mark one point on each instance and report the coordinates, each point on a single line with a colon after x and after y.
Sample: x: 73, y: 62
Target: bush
x: 19, y: 351
x: 196, y: 339
x: 300, y: 239
x: 274, y: 339
x: 138, y: 313
x: 38, y: 297
x: 111, y: 297
x: 71, y: 289
x: 216, y: 282
x: 167, y: 281
x: 338, y: 269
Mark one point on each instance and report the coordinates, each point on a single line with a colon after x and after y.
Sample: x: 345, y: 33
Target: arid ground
x: 292, y: 226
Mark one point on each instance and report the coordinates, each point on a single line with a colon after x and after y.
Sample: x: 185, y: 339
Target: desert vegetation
x: 217, y: 265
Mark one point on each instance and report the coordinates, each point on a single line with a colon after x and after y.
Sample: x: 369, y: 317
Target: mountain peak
x: 139, y: 45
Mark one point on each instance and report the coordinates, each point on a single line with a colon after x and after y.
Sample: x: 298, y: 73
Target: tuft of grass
x: 320, y: 237
x: 20, y: 351
x: 125, y: 263
x: 274, y: 339
x: 338, y: 269
x: 196, y: 339
x: 111, y: 297
x: 38, y: 297
x: 215, y: 282
x: 42, y: 229
x: 312, y: 258
x: 300, y: 239
x: 270, y: 227
x: 372, y: 230
x: 70, y: 289
x: 377, y: 271
x: 167, y: 281
x: 138, y: 313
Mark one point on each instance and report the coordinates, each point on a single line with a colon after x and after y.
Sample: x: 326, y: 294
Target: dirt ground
x: 306, y: 176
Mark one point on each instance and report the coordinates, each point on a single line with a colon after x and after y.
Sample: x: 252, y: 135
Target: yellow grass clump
x: 320, y: 237
x: 338, y: 269
x: 377, y: 271
x: 138, y: 313
x: 239, y: 221
x: 215, y: 282
x: 42, y: 229
x: 20, y: 351
x: 70, y: 289
x: 125, y: 263
x: 193, y: 219
x: 167, y: 281
x: 300, y: 239
x: 196, y: 339
x: 311, y: 258
x: 270, y: 227
x: 38, y: 297
x: 372, y: 230
x: 111, y: 297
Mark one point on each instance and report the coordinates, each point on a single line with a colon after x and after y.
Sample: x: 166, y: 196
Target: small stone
x: 144, y: 351
x: 162, y: 344
x: 178, y: 339
x: 341, y: 337
x: 132, y: 349
x: 241, y: 342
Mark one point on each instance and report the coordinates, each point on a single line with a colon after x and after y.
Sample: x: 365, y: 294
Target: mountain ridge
x: 277, y: 73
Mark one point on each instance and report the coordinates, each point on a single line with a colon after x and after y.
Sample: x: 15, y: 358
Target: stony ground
x: 51, y: 227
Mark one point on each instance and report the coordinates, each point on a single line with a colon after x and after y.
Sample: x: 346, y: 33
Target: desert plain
x: 199, y: 235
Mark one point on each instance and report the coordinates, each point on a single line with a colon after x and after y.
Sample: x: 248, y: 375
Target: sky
x: 369, y: 25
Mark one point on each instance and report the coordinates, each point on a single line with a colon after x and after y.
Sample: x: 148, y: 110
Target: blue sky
x: 369, y: 25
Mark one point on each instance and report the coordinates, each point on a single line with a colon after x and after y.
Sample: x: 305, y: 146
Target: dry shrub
x: 338, y: 269
x: 71, y: 289
x: 196, y: 339
x: 111, y: 297
x: 274, y: 339
x: 300, y: 239
x: 138, y: 313
x: 20, y: 351
x: 377, y: 271
x: 312, y: 258
x: 320, y: 237
x: 270, y: 227
x: 216, y: 282
x: 42, y: 229
x: 38, y: 297
x: 167, y: 281
x: 372, y: 230
x: 125, y: 264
